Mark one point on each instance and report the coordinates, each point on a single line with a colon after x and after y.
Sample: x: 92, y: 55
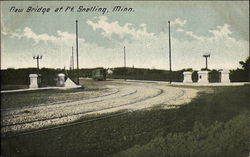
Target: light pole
x: 72, y: 63
x: 72, y: 58
x: 170, y: 68
x: 124, y: 59
x: 77, y: 61
x: 37, y: 62
x: 206, y: 56
x: 124, y: 53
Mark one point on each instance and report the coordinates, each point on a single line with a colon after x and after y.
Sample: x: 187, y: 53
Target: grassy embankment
x: 13, y: 87
x: 45, y: 96
x: 214, y: 124
x: 18, y: 99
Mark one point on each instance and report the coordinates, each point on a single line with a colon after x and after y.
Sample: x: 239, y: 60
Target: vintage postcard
x: 125, y: 78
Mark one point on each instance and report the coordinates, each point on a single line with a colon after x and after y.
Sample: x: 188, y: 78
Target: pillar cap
x: 202, y: 72
x: 33, y: 75
x: 187, y: 72
x: 61, y: 74
x: 225, y: 70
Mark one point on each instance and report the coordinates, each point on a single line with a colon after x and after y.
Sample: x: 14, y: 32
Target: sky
x: 218, y: 28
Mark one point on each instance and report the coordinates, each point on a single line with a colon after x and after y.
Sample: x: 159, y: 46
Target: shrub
x: 219, y: 139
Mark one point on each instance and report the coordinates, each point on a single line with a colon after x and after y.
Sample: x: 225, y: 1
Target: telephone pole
x: 37, y: 62
x: 77, y: 61
x: 72, y: 58
x: 124, y: 59
x: 124, y: 53
x: 170, y: 68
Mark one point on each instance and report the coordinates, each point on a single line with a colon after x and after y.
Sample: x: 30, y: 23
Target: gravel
x: 122, y: 96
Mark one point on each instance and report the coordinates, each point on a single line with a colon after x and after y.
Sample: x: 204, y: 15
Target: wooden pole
x: 124, y: 56
x: 77, y: 60
x: 170, y: 68
x: 72, y: 58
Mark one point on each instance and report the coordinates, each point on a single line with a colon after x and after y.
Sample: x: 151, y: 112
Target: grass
x: 213, y: 124
x: 26, y: 98
x: 18, y: 99
x: 219, y: 139
x: 13, y: 87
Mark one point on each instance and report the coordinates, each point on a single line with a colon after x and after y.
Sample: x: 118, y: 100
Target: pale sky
x: 197, y: 27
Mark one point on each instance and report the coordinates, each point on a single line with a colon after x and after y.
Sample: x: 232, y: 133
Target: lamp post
x: 124, y: 54
x: 170, y: 68
x: 72, y: 63
x: 206, y: 56
x: 77, y: 61
x: 37, y: 57
x: 72, y: 58
x: 124, y: 59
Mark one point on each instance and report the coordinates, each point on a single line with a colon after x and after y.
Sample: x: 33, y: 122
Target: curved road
x: 123, y: 96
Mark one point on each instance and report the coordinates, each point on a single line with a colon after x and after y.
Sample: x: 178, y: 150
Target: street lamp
x: 170, y: 65
x: 206, y: 56
x: 37, y: 57
x: 77, y: 60
x: 124, y: 59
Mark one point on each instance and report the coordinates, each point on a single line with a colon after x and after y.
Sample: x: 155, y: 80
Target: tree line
x: 48, y: 75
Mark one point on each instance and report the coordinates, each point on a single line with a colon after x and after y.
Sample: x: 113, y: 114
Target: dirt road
x: 122, y: 96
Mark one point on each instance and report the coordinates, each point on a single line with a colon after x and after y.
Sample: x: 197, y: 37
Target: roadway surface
x: 121, y: 96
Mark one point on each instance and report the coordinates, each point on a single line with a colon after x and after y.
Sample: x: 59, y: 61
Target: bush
x: 219, y: 139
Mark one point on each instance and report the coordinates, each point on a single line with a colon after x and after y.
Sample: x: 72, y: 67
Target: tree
x: 245, y: 65
x: 241, y: 75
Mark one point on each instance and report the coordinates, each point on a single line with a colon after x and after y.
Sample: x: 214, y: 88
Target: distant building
x: 109, y: 71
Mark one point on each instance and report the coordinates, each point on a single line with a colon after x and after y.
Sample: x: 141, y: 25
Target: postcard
x: 125, y: 78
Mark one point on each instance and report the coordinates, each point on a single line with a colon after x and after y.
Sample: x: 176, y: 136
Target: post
x: 72, y: 64
x: 206, y: 56
x: 33, y: 81
x: 72, y: 59
x: 77, y: 61
x: 225, y: 76
x: 124, y: 57
x: 170, y: 68
x: 203, y: 77
x: 61, y: 80
x: 206, y: 63
x: 37, y: 62
x: 187, y: 77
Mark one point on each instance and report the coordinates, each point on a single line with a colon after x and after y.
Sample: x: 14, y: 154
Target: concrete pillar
x: 203, y: 77
x: 33, y: 81
x: 187, y: 77
x: 61, y: 80
x: 225, y: 76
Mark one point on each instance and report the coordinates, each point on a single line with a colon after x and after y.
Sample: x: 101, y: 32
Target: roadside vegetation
x: 19, y: 78
x: 213, y: 124
x: 219, y: 139
x: 27, y: 98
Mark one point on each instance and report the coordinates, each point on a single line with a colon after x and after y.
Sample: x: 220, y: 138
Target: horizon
x: 68, y: 69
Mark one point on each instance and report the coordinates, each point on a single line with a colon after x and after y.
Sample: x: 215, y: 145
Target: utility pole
x: 77, y: 61
x: 72, y: 63
x: 170, y: 68
x: 124, y: 53
x: 37, y: 62
x: 124, y: 59
x: 206, y: 56
x: 72, y: 58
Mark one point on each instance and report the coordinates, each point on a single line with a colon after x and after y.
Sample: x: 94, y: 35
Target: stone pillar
x: 203, y: 77
x: 225, y: 76
x: 187, y: 77
x: 61, y: 80
x: 33, y: 81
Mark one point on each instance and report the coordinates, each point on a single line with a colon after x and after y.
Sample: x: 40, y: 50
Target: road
x: 122, y: 96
